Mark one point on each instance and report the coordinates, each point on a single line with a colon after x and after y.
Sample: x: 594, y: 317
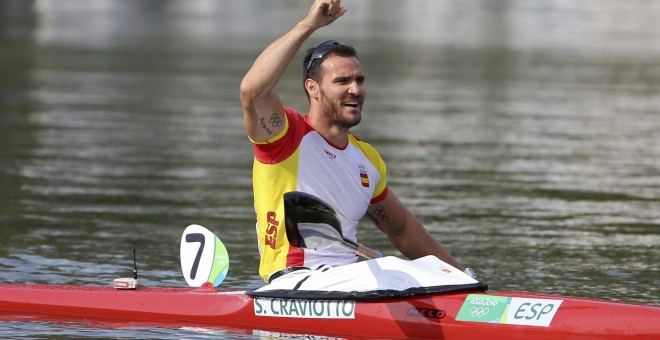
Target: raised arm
x: 405, y: 232
x: 263, y: 111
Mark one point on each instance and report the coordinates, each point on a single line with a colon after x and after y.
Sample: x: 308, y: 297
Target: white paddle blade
x: 319, y: 235
x: 204, y: 257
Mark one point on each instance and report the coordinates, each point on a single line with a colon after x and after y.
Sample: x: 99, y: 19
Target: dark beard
x: 335, y: 118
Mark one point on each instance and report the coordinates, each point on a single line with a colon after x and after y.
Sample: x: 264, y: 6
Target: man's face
x: 342, y: 91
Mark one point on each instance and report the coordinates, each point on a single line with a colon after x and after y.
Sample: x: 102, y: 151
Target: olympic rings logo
x: 275, y: 121
x: 478, y: 312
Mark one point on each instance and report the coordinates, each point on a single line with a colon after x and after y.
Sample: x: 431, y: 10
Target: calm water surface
x: 524, y: 134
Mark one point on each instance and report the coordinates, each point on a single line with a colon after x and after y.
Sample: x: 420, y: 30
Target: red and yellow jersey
x: 300, y: 159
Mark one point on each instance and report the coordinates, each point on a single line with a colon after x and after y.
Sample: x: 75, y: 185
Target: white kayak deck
x: 378, y: 278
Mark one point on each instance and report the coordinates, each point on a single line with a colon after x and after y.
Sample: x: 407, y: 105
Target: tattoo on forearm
x: 275, y: 120
x: 262, y: 123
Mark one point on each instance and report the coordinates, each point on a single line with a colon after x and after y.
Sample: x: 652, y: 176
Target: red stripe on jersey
x: 283, y: 148
x: 295, y: 257
x: 380, y: 197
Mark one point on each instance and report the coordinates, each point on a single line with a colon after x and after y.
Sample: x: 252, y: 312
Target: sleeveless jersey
x: 300, y: 159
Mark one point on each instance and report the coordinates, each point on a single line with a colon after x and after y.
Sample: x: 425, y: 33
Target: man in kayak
x: 316, y: 153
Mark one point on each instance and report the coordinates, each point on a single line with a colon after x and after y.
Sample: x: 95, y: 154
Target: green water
x: 523, y: 134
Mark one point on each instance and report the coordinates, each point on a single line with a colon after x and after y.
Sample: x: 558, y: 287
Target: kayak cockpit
x: 381, y: 278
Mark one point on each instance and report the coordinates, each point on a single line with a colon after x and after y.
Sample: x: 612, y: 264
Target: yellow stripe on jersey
x: 372, y: 154
x: 271, y: 233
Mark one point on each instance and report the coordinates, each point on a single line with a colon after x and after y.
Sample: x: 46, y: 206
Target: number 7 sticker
x: 204, y: 257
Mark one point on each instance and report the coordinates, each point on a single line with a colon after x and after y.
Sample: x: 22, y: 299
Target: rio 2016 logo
x: 508, y: 310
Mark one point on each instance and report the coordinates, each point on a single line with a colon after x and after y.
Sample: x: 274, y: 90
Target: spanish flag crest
x: 364, y: 176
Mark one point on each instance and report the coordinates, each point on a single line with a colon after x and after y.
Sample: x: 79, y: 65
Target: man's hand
x: 323, y: 13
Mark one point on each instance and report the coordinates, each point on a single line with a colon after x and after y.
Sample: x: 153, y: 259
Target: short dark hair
x: 315, y: 56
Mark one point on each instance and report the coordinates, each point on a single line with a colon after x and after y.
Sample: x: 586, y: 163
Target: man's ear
x: 312, y: 88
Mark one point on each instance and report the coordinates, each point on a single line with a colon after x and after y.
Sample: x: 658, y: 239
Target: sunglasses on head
x: 320, y: 51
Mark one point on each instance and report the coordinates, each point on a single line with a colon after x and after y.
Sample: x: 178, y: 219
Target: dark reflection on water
x: 523, y: 134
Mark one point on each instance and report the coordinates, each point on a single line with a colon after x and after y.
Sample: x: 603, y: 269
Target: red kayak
x: 455, y: 315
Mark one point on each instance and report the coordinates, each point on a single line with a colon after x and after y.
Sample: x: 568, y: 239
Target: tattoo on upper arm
x: 380, y: 212
x: 379, y: 215
x: 274, y: 120
x: 262, y: 123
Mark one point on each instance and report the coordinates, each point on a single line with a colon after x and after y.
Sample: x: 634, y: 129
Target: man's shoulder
x: 358, y: 141
x: 368, y: 149
x: 296, y: 118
